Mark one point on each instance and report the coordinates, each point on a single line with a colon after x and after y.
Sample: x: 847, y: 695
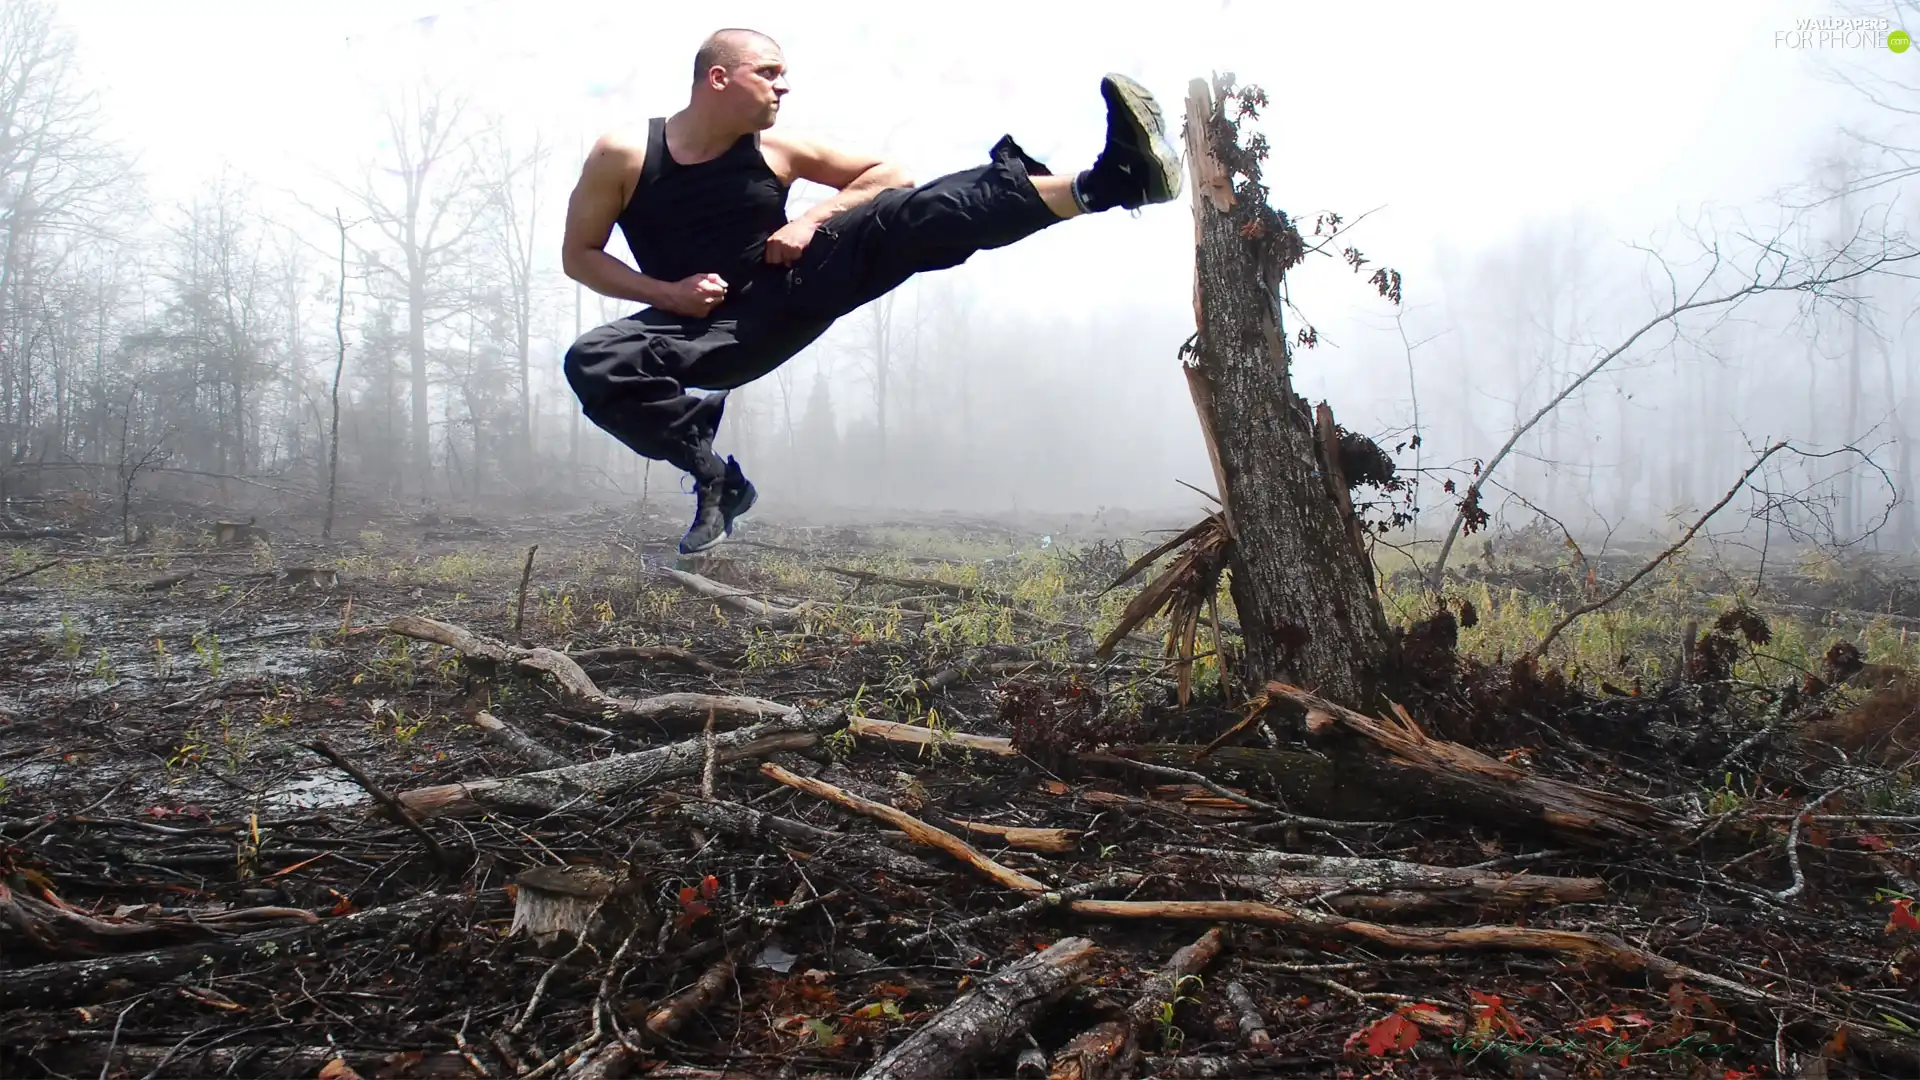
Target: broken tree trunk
x: 1304, y: 592
x: 985, y: 1020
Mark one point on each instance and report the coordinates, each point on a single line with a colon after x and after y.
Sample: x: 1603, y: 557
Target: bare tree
x: 339, y: 366
x: 423, y: 199
x: 512, y: 181
x: 1725, y: 283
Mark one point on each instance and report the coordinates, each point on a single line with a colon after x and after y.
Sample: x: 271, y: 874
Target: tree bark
x: 985, y: 1020
x: 1285, y: 875
x: 1304, y: 592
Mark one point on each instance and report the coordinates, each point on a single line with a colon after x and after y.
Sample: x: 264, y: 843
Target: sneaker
x: 1139, y: 165
x: 737, y: 495
x: 709, y: 523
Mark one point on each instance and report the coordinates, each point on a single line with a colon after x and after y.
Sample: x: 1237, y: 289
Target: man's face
x: 755, y: 86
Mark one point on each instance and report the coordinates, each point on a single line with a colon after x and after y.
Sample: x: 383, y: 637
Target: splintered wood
x: 1485, y: 786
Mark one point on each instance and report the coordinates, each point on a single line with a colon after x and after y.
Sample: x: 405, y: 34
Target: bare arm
x: 858, y: 178
x: 592, y: 210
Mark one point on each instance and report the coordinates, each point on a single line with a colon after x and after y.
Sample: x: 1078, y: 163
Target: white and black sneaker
x: 1139, y: 165
x: 710, y: 525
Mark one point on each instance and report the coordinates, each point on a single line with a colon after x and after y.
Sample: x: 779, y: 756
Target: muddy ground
x: 192, y: 886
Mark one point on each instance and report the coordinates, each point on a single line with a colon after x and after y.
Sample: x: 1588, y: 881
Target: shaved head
x: 728, y: 48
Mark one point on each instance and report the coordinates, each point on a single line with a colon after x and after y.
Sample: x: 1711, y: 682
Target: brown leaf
x: 338, y: 1069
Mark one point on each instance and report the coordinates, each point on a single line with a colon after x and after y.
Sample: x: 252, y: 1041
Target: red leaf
x: 1603, y: 1024
x: 1493, y: 1013
x: 1872, y: 842
x: 1388, y: 1034
x: 1902, y: 917
x: 709, y: 887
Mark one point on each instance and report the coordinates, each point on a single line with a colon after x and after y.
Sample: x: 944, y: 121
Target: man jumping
x: 734, y: 289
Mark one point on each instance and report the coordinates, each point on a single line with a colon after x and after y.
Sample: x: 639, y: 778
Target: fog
x: 1546, y: 179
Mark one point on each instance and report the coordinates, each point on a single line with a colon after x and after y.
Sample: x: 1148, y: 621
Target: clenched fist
x: 785, y: 246
x: 695, y: 296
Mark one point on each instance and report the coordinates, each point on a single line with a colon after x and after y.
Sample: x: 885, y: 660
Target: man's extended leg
x: 870, y: 250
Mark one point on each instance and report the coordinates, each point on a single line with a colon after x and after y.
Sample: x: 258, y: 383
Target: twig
x: 1793, y: 843
x: 540, y: 988
x: 1190, y: 777
x: 460, y: 1041
x: 29, y: 573
x: 106, y: 1066
x: 386, y: 799
x: 1654, y: 563
x: 520, y: 606
x: 1043, y: 902
x: 907, y: 823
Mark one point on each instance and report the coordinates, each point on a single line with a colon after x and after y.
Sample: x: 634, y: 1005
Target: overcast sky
x: 1460, y: 124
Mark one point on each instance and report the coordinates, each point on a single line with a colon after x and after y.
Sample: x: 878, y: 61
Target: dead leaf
x: 1433, y: 1018
x: 338, y: 1069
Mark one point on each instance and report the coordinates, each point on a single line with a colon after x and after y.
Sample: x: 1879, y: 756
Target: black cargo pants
x: 632, y: 375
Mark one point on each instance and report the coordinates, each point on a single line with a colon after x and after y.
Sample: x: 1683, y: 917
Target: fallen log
x: 1295, y: 876
x: 1113, y: 1048
x: 1486, y: 787
x: 77, y: 981
x: 596, y: 780
x: 772, y: 615
x: 919, y: 830
x: 578, y: 688
x: 1307, y: 781
x: 983, y: 1021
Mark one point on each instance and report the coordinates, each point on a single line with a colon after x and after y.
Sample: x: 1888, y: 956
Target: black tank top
x: 710, y: 218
